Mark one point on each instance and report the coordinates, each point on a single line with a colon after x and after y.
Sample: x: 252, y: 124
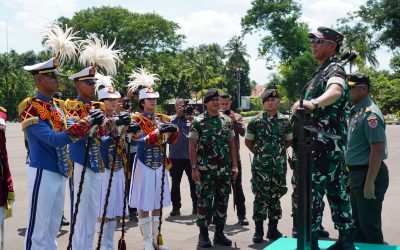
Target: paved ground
x: 181, y: 232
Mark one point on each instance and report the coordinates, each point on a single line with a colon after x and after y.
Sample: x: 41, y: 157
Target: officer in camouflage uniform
x: 327, y: 96
x: 213, y: 158
x: 366, y: 150
x: 267, y: 136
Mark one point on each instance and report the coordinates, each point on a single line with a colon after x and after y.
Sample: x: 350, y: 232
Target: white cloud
x: 326, y: 12
x: 209, y: 26
x: 34, y: 14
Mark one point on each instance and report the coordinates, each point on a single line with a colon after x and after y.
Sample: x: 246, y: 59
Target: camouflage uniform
x: 328, y: 166
x: 214, y: 163
x: 268, y: 168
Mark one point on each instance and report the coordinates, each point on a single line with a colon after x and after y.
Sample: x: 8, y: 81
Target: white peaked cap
x: 148, y: 93
x: 108, y: 90
x: 47, y: 67
x: 85, y: 74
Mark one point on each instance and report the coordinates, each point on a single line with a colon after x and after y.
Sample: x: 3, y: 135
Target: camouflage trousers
x: 328, y: 172
x: 268, y: 188
x: 212, y: 198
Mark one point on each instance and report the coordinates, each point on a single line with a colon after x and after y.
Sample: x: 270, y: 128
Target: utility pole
x: 7, y: 65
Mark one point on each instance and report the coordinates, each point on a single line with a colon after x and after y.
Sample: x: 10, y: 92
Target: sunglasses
x: 357, y: 86
x: 319, y: 41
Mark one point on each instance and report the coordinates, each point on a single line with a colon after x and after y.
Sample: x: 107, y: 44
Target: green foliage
x: 286, y: 37
x: 383, y: 16
x: 250, y: 113
x: 16, y: 83
x: 256, y: 104
x: 360, y: 40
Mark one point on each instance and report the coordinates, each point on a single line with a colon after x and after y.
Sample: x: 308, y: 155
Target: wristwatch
x: 315, y: 103
x: 194, y: 166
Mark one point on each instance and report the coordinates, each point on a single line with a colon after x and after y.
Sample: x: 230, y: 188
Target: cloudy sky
x: 203, y: 21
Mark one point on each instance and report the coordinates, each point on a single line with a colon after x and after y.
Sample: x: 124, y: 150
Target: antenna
x: 7, y: 36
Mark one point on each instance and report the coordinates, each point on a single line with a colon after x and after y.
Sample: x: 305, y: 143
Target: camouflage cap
x: 210, y: 94
x: 328, y: 34
x: 270, y: 93
x: 359, y: 79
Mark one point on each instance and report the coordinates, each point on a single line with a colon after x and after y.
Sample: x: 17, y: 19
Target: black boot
x: 259, y: 233
x: 345, y: 242
x: 314, y: 244
x: 219, y: 236
x: 204, y: 241
x: 133, y: 215
x: 273, y: 232
x: 323, y: 233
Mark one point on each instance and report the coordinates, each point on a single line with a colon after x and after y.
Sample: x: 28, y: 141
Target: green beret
x: 270, y: 93
x: 358, y: 78
x: 210, y: 94
x: 328, y: 34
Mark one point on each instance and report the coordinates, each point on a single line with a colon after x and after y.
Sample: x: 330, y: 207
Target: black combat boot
x: 323, y: 233
x: 273, y: 232
x: 204, y: 241
x: 259, y: 233
x: 219, y: 236
x: 314, y: 244
x: 345, y: 242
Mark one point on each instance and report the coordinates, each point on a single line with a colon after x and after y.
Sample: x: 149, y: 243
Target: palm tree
x: 359, y: 39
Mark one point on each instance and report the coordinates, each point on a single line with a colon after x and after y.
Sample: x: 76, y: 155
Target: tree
x: 383, y: 15
x: 146, y: 40
x: 16, y: 83
x: 286, y: 40
x: 360, y: 40
x: 286, y: 36
x: 237, y: 69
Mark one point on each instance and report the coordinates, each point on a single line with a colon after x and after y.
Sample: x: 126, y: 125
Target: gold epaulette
x: 162, y: 117
x: 72, y: 104
x: 3, y: 110
x: 27, y: 113
x: 368, y: 109
x: 98, y: 105
x: 60, y: 103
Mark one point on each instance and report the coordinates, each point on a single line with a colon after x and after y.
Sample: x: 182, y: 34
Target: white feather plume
x: 103, y: 81
x: 97, y: 52
x: 141, y: 78
x: 62, y: 44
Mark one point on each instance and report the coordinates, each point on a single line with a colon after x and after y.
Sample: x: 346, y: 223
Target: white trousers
x: 46, y: 205
x: 2, y: 215
x: 116, y: 199
x: 107, y: 240
x: 88, y: 207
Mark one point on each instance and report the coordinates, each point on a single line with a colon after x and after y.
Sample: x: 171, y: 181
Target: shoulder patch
x: 372, y: 121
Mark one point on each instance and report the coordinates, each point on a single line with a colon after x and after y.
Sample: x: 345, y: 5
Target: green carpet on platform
x: 290, y: 243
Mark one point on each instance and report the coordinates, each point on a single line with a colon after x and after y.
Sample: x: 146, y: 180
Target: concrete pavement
x: 181, y: 232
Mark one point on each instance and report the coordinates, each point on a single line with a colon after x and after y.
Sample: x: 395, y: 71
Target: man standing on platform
x: 240, y: 130
x: 327, y: 96
x: 179, y: 155
x: 268, y: 135
x: 213, y: 158
x: 366, y: 150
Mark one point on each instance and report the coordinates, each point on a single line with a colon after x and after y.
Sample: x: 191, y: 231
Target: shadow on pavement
x: 184, y: 219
